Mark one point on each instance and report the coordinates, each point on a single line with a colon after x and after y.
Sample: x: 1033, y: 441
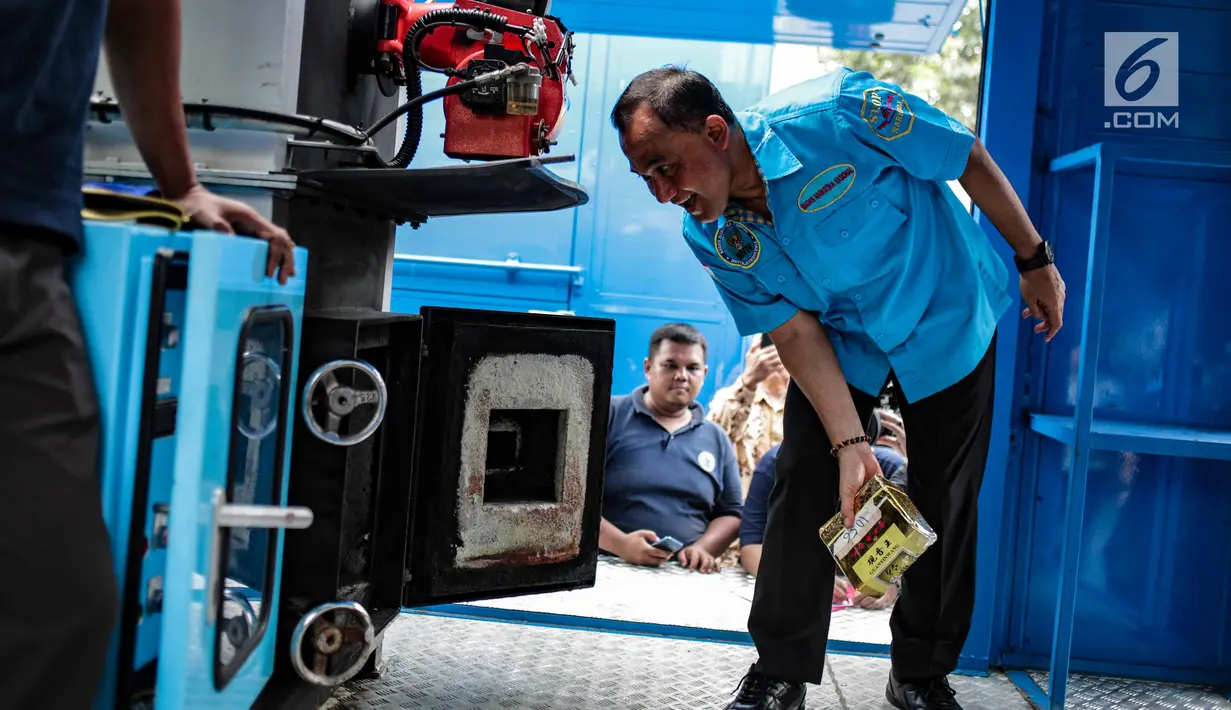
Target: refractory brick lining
x: 524, y: 533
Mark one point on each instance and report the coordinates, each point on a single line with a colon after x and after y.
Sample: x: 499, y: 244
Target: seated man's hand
x: 882, y: 602
x: 841, y: 590
x: 698, y: 559
x: 220, y: 214
x: 636, y: 549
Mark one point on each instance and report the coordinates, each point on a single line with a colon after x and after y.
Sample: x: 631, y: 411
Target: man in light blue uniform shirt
x: 823, y: 216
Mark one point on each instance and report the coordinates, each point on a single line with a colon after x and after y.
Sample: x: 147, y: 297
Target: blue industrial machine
x: 286, y: 467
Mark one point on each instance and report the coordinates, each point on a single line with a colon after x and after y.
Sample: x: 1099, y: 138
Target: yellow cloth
x: 108, y: 206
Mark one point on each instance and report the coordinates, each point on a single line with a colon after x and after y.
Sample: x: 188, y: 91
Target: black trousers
x: 947, y: 440
x: 58, y: 596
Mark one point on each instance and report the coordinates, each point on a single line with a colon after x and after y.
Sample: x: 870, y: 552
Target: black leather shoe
x: 760, y: 692
x: 933, y: 694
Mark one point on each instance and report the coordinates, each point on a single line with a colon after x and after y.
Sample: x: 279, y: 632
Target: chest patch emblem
x: 827, y: 187
x: 706, y: 461
x: 887, y: 113
x: 737, y: 245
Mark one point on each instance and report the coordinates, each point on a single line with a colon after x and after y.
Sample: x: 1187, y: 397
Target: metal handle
x: 342, y: 400
x: 329, y: 640
x: 243, y: 516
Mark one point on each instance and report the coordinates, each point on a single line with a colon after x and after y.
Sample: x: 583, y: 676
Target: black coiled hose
x: 413, y: 67
x: 414, y: 119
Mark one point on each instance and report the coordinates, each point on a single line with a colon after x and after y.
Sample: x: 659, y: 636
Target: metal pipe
x: 213, y: 117
x: 507, y: 264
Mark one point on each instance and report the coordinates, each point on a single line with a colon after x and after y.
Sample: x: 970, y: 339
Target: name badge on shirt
x: 827, y: 187
x: 737, y: 245
x: 706, y: 461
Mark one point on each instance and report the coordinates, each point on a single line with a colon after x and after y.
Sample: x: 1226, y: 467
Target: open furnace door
x: 507, y: 492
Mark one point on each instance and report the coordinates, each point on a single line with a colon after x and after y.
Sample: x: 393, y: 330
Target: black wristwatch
x: 1042, y: 257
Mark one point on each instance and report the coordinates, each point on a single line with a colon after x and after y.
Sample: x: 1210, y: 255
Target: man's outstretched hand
x: 1043, y: 290
x: 220, y: 214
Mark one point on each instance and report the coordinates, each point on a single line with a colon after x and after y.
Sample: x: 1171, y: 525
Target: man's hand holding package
x: 856, y: 465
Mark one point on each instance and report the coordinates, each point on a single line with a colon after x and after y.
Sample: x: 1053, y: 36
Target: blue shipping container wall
x: 635, y: 265
x: 1151, y: 593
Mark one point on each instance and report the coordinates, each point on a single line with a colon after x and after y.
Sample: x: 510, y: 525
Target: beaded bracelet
x: 857, y: 440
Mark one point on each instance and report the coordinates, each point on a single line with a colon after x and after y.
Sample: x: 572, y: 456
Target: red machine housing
x: 486, y: 136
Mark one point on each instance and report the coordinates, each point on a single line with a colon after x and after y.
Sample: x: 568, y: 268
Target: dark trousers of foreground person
x: 58, y: 596
x: 947, y: 448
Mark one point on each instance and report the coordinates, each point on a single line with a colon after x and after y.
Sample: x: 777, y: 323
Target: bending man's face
x: 686, y: 168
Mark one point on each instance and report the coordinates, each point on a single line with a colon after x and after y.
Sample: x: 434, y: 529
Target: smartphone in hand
x: 669, y: 544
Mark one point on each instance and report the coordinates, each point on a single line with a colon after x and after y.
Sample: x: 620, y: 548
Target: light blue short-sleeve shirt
x: 864, y: 233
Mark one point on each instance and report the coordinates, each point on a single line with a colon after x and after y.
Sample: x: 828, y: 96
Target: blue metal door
x: 129, y: 287
x: 240, y: 344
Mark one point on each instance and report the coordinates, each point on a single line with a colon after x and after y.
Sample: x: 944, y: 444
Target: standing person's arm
x: 804, y: 349
x: 1042, y: 289
x: 808, y: 355
x: 142, y: 44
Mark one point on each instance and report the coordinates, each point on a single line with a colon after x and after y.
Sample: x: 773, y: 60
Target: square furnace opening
x: 523, y: 455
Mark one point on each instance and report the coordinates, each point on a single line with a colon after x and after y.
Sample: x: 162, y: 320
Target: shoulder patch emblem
x: 737, y: 245
x: 706, y: 461
x: 827, y: 187
x: 886, y: 113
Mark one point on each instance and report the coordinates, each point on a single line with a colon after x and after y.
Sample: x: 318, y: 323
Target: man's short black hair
x: 682, y: 99
x: 681, y: 333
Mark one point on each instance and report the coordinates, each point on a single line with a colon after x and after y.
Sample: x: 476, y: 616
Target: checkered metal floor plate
x: 441, y: 663
x: 676, y: 596
x: 1087, y: 693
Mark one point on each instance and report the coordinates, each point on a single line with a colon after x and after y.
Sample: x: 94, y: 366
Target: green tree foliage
x: 949, y: 80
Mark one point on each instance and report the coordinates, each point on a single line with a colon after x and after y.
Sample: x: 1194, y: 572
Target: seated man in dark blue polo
x: 670, y: 471
x: 756, y: 512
